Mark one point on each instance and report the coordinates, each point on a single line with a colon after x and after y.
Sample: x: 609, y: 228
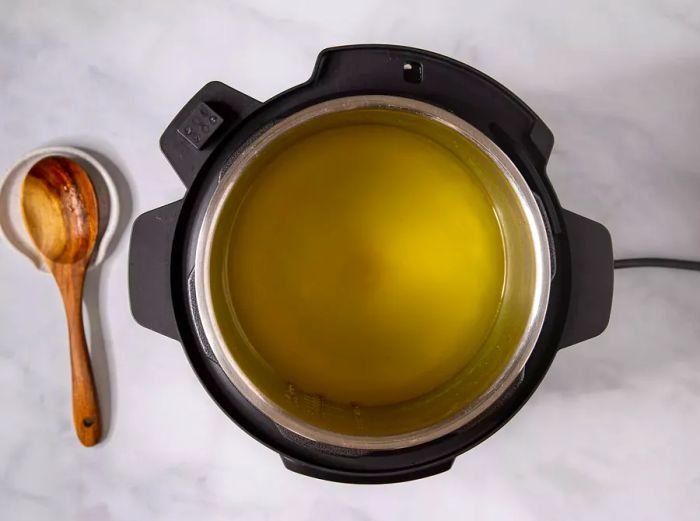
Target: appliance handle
x: 201, y: 125
x: 366, y: 478
x: 150, y: 252
x: 591, y: 254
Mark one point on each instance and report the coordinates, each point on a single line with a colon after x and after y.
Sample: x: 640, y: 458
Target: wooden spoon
x: 59, y: 206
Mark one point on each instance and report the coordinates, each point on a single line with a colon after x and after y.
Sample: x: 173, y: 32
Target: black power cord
x: 656, y: 262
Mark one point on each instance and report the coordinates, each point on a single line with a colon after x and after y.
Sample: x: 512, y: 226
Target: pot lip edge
x: 458, y: 420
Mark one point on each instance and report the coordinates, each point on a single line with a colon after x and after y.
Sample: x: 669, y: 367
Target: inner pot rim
x: 276, y: 413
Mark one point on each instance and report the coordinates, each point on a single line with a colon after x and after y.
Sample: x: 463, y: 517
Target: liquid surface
x: 365, y: 264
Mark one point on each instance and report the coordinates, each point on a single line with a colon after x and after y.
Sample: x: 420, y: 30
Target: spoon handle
x: 86, y: 412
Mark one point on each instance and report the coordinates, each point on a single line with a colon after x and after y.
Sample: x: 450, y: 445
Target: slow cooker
x: 370, y: 273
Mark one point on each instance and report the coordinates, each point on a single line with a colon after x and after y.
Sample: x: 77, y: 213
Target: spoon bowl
x: 60, y: 212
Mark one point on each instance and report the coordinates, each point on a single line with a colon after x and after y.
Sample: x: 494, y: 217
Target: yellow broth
x: 358, y: 266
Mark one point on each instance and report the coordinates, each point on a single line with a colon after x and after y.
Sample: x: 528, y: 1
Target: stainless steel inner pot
x: 526, y: 288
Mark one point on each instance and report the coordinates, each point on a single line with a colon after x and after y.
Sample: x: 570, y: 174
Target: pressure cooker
x: 370, y: 273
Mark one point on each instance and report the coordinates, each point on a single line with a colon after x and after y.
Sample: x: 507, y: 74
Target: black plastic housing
x: 163, y: 240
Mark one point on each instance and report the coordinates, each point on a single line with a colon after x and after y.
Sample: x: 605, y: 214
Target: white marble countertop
x: 612, y: 432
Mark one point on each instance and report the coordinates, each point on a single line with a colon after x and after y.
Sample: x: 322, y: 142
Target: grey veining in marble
x: 613, y: 431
